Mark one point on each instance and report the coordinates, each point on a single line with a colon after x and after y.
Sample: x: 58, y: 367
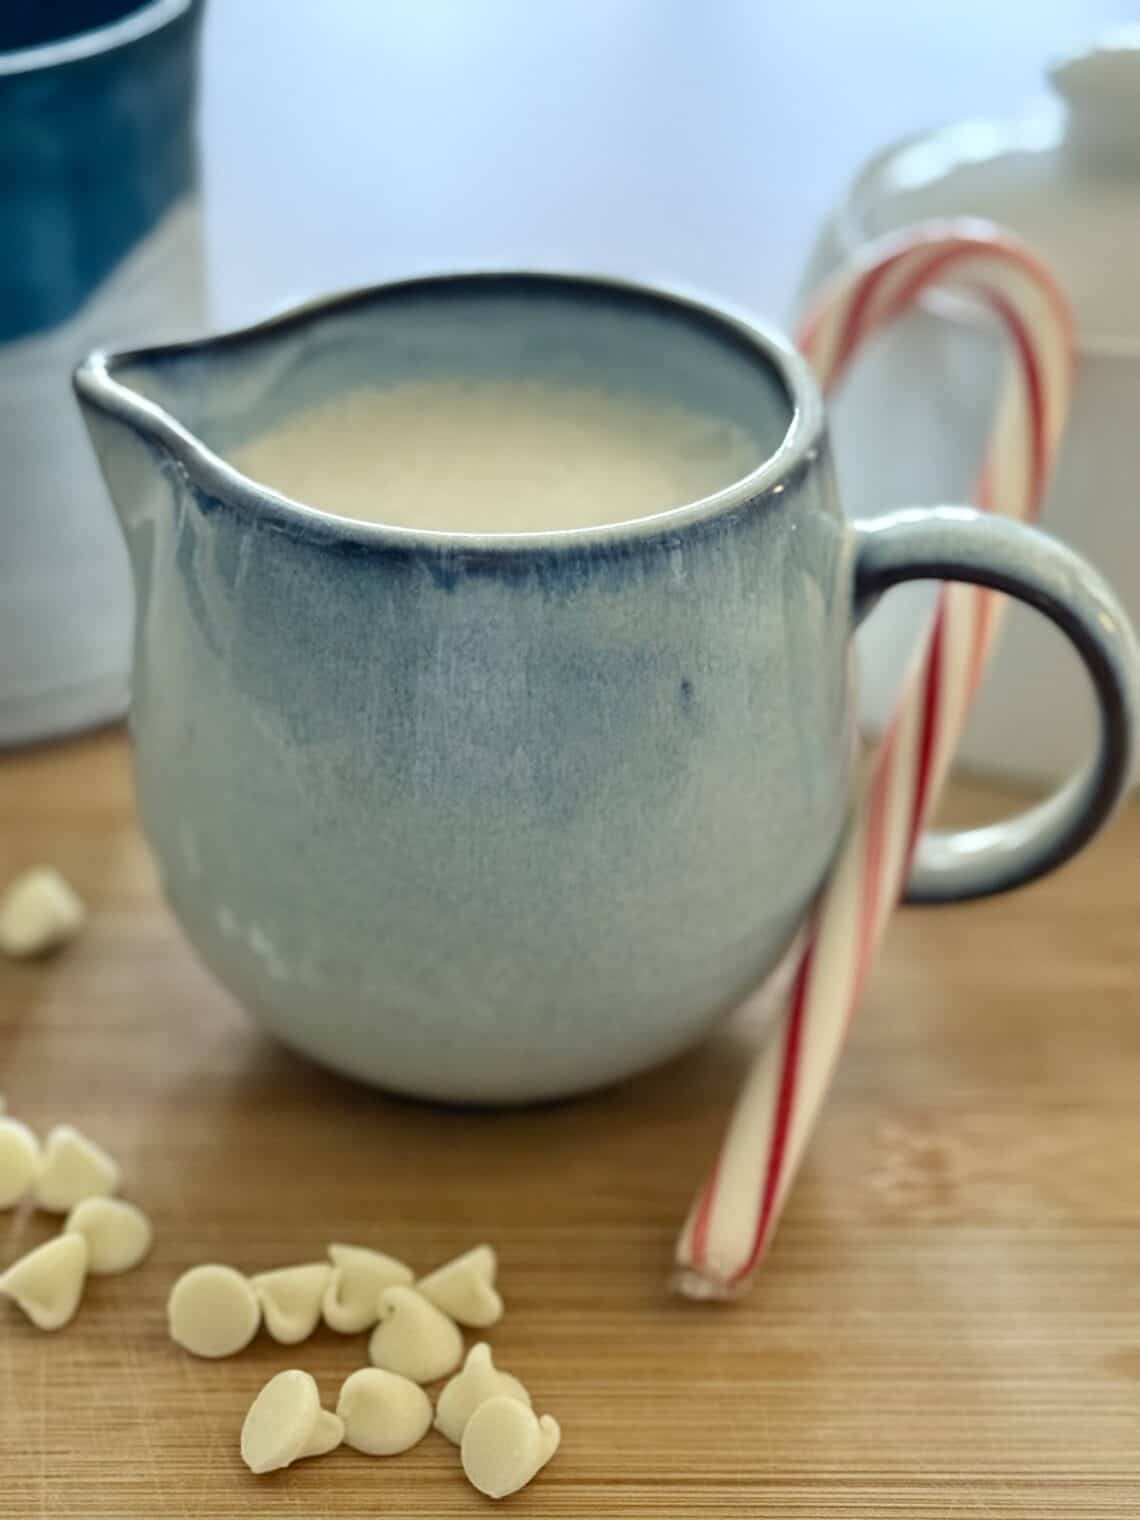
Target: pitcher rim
x: 96, y: 383
x: 149, y: 17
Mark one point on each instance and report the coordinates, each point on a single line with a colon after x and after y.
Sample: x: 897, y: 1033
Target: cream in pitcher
x: 504, y: 456
x: 498, y: 815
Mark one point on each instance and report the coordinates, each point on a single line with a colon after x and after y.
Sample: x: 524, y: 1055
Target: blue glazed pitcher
x: 504, y: 816
x: 99, y: 243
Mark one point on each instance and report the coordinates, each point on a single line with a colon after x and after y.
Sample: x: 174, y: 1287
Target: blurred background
x: 346, y: 141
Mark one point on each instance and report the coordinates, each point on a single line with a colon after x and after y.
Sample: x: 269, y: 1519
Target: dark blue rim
x: 101, y: 39
x: 96, y: 382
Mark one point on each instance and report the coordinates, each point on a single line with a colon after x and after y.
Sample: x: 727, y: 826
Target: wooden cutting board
x: 949, y: 1324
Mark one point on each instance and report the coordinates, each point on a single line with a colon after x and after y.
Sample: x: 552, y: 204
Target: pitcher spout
x: 129, y: 425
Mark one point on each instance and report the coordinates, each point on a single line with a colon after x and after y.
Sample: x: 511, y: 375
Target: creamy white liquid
x: 497, y: 456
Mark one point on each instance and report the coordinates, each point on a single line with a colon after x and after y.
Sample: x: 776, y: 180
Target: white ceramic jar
x: 1066, y: 178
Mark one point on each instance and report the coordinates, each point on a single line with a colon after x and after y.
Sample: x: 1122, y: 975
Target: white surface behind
x: 351, y: 140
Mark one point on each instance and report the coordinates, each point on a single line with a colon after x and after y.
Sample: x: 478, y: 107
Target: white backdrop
x: 693, y: 140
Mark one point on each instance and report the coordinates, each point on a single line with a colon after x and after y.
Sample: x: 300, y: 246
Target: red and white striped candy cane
x: 734, y: 1215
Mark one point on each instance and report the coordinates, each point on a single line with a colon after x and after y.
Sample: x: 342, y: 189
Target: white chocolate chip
x: 383, y: 1413
x: 505, y: 1444
x: 479, y: 1381
x: 352, y: 1297
x: 291, y: 1299
x: 414, y: 1338
x: 73, y: 1168
x: 47, y: 1283
x: 325, y: 1436
x: 465, y: 1288
x: 39, y: 912
x: 285, y: 1423
x: 213, y: 1311
x: 19, y: 1161
x: 118, y: 1234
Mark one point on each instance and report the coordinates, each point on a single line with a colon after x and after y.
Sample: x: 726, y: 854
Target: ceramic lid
x: 1065, y: 176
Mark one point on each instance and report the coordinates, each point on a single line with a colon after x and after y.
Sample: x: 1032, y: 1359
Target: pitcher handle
x: 960, y: 544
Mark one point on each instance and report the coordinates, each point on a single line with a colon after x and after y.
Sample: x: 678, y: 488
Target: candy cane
x: 735, y: 1214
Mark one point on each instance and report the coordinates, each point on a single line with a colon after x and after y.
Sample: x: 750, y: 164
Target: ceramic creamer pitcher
x: 501, y: 816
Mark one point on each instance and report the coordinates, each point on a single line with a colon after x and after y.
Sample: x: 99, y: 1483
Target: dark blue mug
x: 99, y: 242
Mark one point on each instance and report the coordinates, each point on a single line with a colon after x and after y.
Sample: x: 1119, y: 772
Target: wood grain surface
x: 949, y: 1324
